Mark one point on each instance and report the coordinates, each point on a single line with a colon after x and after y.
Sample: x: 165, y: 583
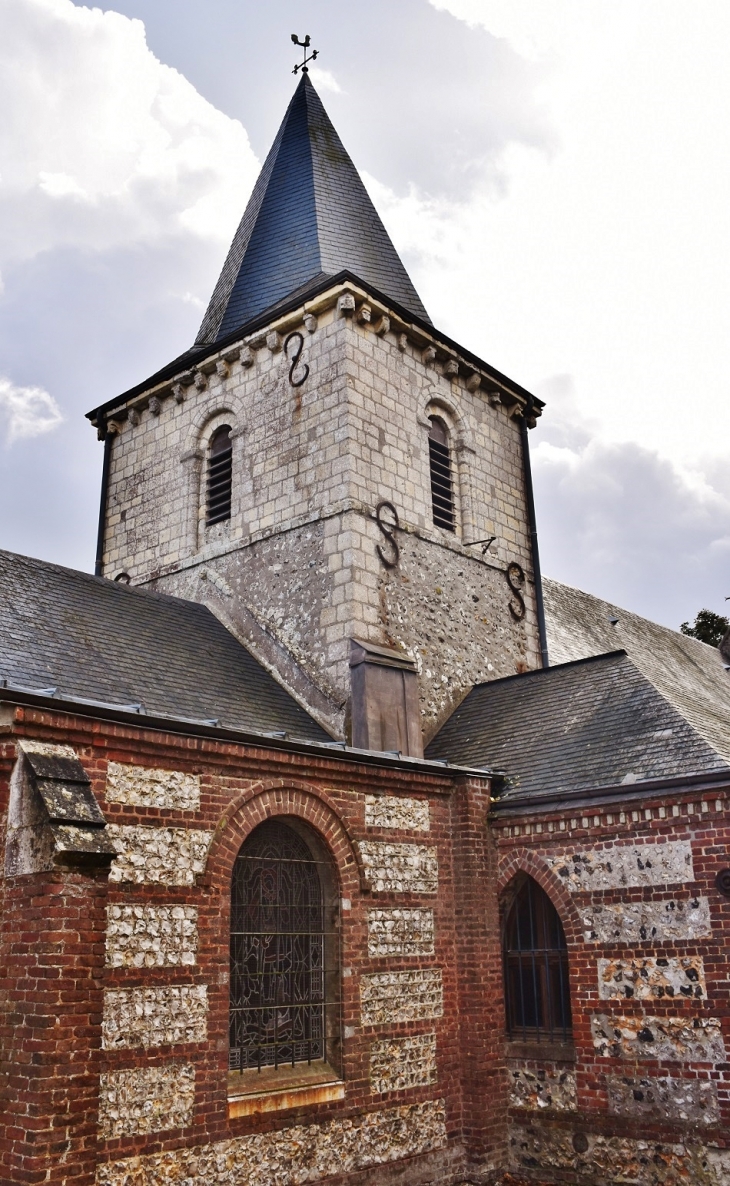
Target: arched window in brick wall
x: 442, y: 483
x: 219, y: 478
x: 284, y: 958
x: 537, y: 993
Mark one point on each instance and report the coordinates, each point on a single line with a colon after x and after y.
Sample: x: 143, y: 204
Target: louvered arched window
x: 219, y: 482
x: 442, y: 486
x: 283, y: 1011
x: 536, y: 968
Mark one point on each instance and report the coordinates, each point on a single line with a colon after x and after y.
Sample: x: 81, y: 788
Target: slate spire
x: 309, y: 217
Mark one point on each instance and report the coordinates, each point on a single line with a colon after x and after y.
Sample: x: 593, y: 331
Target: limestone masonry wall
x: 390, y: 997
x: 296, y: 570
x: 399, y: 1063
x: 302, y: 1153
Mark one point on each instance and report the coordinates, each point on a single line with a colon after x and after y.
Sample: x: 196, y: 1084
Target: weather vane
x: 305, y: 46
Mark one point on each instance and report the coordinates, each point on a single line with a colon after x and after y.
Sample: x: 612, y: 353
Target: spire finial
x: 305, y: 46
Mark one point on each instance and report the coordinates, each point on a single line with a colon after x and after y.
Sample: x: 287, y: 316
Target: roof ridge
x: 119, y: 586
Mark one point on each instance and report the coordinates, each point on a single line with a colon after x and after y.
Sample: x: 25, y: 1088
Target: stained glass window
x: 279, y: 952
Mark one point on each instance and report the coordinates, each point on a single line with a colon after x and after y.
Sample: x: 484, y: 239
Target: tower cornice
x: 318, y: 299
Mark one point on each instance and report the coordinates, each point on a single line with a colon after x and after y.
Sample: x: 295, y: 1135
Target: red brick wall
x: 52, y: 943
x: 240, y: 787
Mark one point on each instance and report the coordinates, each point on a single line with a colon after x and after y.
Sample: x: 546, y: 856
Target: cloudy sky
x: 556, y: 176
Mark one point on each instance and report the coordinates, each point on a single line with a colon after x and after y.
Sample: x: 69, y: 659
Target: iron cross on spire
x: 305, y: 46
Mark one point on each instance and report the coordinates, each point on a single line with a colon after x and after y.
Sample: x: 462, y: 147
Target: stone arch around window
x: 440, y: 409
x: 535, y: 966
x: 198, y: 530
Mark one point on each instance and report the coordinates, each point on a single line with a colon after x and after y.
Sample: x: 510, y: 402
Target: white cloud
x: 103, y: 145
x: 609, y: 255
x: 26, y: 411
x: 621, y: 520
x: 324, y: 80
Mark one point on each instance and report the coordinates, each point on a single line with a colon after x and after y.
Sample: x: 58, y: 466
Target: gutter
x: 532, y: 523
x: 534, y: 804
x: 135, y: 716
x: 108, y: 438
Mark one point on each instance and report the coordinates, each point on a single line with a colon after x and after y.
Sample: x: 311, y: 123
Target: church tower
x: 345, y: 487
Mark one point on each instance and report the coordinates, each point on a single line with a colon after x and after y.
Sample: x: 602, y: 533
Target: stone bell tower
x: 345, y: 487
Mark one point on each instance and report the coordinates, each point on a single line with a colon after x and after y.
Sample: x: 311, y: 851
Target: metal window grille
x: 442, y: 487
x: 220, y: 477
x: 536, y: 969
x: 279, y: 1012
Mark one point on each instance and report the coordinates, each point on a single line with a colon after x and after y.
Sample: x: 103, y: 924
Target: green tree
x: 708, y: 627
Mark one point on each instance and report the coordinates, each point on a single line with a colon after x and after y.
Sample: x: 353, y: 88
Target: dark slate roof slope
x: 96, y: 640
x: 687, y: 672
x: 309, y: 217
x: 579, y: 726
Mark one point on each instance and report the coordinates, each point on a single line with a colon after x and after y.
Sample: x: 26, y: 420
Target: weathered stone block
x: 692, y: 1101
x: 399, y: 1063
x: 650, y: 922
x: 146, y: 1100
x: 142, y: 936
x: 293, y: 1156
x: 139, y: 786
x: 400, y: 932
x: 668, y: 1039
x: 167, y: 856
x: 394, y: 811
x: 48, y: 749
x: 623, y: 865
x: 652, y: 978
x: 542, y: 1087
x: 390, y: 997
x: 400, y: 868
x: 154, y: 1016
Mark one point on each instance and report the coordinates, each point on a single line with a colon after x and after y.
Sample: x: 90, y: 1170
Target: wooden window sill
x: 273, y: 1090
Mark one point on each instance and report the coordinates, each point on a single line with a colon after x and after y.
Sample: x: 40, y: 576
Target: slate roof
x: 93, y: 639
x: 309, y: 217
x: 579, y: 726
x: 688, y: 673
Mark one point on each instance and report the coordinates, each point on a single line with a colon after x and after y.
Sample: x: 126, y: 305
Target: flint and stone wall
x: 146, y: 1100
x: 151, y: 1055
x: 293, y: 1156
x: 643, y: 1090
x: 642, y: 1094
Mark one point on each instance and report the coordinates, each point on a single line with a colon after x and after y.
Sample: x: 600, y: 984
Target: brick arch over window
x: 267, y: 800
x: 524, y: 860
